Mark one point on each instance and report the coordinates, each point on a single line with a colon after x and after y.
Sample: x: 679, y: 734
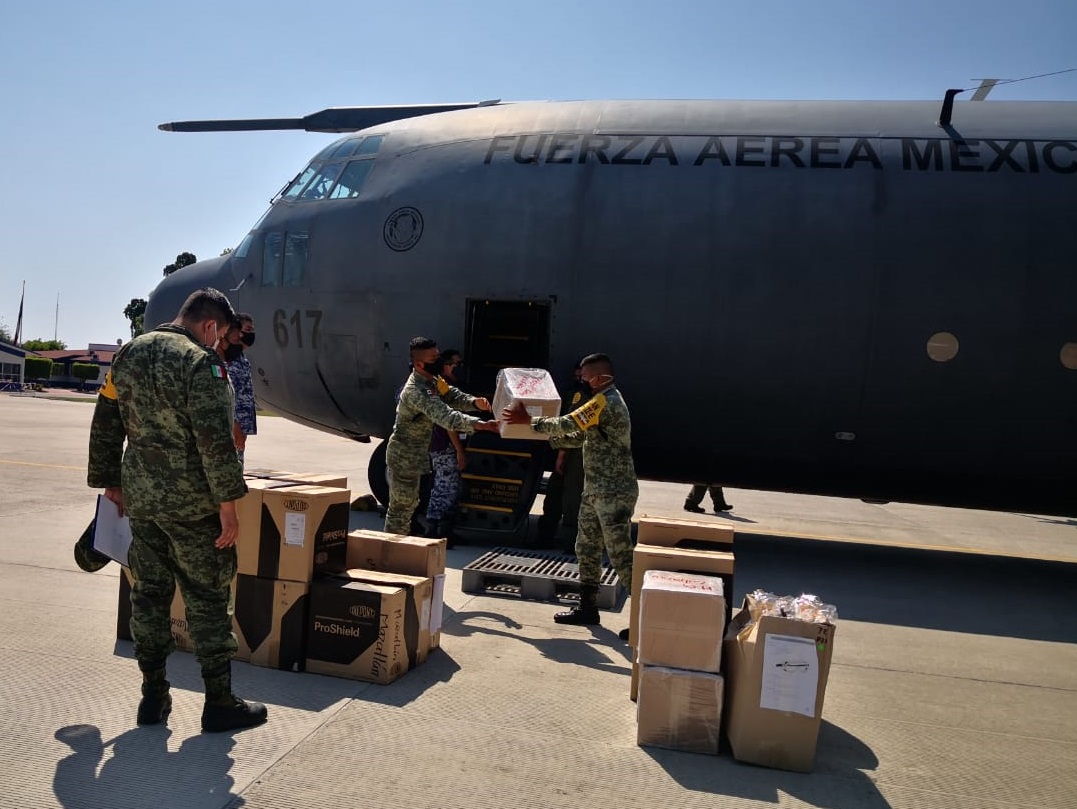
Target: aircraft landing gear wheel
x: 378, y: 479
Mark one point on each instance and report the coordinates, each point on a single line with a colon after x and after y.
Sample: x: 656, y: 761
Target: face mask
x: 212, y: 344
x: 233, y: 353
x: 247, y: 338
x: 432, y: 368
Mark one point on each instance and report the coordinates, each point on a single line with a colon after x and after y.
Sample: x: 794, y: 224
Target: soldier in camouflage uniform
x: 239, y: 373
x: 425, y: 400
x: 448, y: 459
x: 603, y: 428
x: 167, y: 395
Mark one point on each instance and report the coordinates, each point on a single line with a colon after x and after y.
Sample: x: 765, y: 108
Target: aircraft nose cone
x: 165, y: 301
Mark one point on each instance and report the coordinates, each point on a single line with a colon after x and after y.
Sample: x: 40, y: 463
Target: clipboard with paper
x: 112, y: 534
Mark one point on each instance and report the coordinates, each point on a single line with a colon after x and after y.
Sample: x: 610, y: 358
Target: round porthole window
x: 942, y: 346
x: 1068, y: 356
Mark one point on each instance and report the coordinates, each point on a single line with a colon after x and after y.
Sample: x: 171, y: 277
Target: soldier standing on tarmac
x: 425, y: 400
x: 610, y: 490
x: 168, y: 396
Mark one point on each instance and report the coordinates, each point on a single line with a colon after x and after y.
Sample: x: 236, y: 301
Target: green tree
x: 5, y: 335
x: 38, y: 368
x: 44, y: 345
x: 182, y: 260
x: 84, y: 372
x: 135, y: 311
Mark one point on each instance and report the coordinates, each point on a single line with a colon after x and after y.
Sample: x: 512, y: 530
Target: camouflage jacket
x: 169, y: 398
x: 239, y: 372
x: 424, y: 403
x: 604, y: 428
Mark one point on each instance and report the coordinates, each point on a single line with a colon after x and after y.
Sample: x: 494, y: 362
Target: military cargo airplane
x: 863, y: 299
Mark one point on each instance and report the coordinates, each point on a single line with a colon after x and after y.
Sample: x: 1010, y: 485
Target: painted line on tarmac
x: 885, y: 543
x: 43, y: 465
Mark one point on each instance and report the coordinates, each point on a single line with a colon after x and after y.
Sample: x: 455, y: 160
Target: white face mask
x: 212, y: 344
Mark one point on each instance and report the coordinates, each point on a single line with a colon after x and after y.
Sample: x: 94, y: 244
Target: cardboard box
x: 305, y: 478
x: 682, y: 621
x: 270, y: 622
x: 777, y: 674
x: 532, y: 386
x: 376, y: 550
x: 356, y: 630
x: 671, y: 532
x: 249, y: 510
x: 679, y: 710
x: 302, y: 530
x: 416, y: 556
x: 682, y: 560
x: 420, y: 596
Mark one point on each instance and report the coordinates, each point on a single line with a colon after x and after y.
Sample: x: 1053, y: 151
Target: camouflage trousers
x: 405, y: 470
x: 446, y: 489
x: 605, y: 523
x: 164, y: 554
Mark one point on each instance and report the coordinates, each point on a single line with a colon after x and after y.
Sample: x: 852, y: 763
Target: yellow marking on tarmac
x: 886, y: 543
x: 44, y: 465
x: 477, y: 507
x: 500, y: 452
x: 492, y: 480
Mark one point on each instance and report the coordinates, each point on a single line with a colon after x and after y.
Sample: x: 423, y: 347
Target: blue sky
x: 97, y: 201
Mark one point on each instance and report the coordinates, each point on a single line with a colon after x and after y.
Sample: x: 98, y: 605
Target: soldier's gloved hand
x: 229, y: 525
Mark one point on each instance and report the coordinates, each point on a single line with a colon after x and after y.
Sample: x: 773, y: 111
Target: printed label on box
x: 790, y: 675
x: 295, y: 527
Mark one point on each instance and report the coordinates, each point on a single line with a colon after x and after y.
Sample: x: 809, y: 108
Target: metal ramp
x: 536, y: 576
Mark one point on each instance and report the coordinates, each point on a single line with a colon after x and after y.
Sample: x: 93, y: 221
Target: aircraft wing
x: 334, y: 119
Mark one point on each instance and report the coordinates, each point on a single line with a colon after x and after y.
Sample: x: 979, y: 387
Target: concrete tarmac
x: 953, y: 682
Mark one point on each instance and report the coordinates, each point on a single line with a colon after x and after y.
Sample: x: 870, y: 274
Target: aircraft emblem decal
x: 403, y: 229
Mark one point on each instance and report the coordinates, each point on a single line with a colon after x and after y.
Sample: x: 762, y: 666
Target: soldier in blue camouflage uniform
x: 425, y: 400
x: 448, y: 460
x: 603, y: 428
x: 167, y: 395
x: 239, y: 373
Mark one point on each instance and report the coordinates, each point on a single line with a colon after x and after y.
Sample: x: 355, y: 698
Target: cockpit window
x: 299, y: 182
x: 370, y: 145
x: 332, y: 175
x: 351, y: 179
x: 318, y: 188
x: 271, y: 253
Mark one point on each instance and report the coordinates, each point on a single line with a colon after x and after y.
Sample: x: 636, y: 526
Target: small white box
x: 535, y: 388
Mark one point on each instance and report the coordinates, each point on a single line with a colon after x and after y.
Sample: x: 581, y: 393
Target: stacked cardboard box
x: 681, y: 624
x: 532, y: 387
x: 686, y: 546
x: 382, y: 616
x: 291, y: 530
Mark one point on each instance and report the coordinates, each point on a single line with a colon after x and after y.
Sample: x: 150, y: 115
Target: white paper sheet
x: 112, y: 533
x: 437, y: 603
x: 790, y: 675
x: 295, y: 528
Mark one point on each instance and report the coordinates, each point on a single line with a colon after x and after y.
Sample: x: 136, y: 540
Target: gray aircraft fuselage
x: 838, y: 298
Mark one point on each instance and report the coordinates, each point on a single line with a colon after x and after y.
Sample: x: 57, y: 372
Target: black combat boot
x: 224, y: 710
x: 586, y: 614
x: 156, y: 703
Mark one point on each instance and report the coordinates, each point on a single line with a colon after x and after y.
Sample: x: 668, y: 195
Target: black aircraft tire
x: 375, y: 475
x: 378, y: 480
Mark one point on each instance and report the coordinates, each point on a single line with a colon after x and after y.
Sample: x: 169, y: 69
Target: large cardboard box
x: 376, y: 550
x: 532, y: 386
x: 672, y: 532
x: 416, y: 556
x: 356, y: 630
x: 303, y: 530
x: 682, y: 621
x: 777, y: 672
x: 306, y: 478
x: 420, y: 596
x: 649, y: 557
x: 270, y: 622
x: 249, y: 510
x: 680, y: 710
